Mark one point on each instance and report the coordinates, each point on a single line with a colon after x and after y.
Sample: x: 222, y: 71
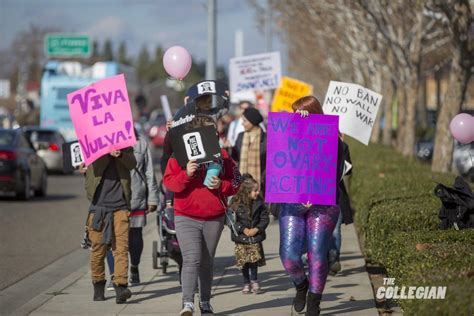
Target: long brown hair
x: 308, y: 103
x: 243, y: 195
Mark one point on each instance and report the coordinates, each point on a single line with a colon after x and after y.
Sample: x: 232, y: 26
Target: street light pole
x: 211, y: 40
x: 268, y: 26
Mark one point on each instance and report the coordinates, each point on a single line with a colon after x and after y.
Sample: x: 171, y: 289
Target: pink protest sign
x: 301, y: 158
x: 102, y: 117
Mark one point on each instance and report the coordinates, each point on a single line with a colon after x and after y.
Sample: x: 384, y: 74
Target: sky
x: 138, y: 22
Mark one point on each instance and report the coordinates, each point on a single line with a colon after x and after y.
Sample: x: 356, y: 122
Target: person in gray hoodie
x: 144, y: 200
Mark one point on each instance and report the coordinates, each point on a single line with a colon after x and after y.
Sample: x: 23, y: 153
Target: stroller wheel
x: 155, y: 254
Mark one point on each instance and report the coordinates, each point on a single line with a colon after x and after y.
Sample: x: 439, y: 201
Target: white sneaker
x: 188, y: 309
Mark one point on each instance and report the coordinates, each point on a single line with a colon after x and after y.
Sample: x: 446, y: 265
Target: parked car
x: 463, y: 159
x: 21, y: 169
x: 48, y: 144
x: 157, y: 130
x: 463, y: 156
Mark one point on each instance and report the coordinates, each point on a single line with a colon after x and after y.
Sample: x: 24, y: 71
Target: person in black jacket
x: 251, y: 220
x: 343, y: 201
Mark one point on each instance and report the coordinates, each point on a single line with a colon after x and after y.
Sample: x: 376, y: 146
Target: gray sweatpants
x: 198, y: 242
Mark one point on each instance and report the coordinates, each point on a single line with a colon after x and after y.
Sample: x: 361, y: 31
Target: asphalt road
x: 35, y: 233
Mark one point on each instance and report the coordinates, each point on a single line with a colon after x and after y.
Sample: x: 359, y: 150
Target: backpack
x: 457, y: 209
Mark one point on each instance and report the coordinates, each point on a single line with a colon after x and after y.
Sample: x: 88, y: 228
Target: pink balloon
x: 462, y: 128
x: 177, y: 62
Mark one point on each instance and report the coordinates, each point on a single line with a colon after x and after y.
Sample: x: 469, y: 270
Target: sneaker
x: 255, y: 287
x: 246, y: 289
x: 134, y: 276
x: 206, y: 308
x: 110, y: 286
x: 188, y: 309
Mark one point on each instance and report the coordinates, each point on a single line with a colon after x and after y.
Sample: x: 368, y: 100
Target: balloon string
x: 179, y: 82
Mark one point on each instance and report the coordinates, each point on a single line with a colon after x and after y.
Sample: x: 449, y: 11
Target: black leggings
x: 135, y: 245
x: 249, y: 271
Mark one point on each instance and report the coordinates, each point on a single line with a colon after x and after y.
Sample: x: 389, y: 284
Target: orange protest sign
x: 289, y: 91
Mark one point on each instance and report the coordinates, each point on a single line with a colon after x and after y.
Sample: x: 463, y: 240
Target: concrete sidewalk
x: 348, y: 293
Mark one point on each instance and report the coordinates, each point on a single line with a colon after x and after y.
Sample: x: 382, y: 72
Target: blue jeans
x: 336, y: 239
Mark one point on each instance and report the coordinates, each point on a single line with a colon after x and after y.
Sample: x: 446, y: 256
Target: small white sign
x: 356, y: 106
x: 255, y: 72
x: 166, y: 107
x: 4, y: 88
x: 76, y: 155
x: 207, y: 87
x: 194, y: 146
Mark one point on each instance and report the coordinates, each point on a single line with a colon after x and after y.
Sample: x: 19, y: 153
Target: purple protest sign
x: 301, y: 158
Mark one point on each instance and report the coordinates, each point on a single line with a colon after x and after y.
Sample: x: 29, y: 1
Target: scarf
x: 250, y: 154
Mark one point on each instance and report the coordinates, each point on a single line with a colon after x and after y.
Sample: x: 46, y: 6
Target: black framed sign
x: 72, y: 156
x: 200, y: 144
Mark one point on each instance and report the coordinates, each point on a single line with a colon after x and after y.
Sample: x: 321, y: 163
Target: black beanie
x: 253, y: 116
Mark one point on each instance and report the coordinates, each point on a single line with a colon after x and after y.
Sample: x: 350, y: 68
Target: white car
x: 48, y: 144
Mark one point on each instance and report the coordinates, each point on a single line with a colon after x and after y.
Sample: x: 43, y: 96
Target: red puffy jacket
x: 192, y: 198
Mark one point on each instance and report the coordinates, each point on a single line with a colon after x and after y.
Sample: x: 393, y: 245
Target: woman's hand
x: 115, y: 153
x: 247, y: 232
x: 215, y: 183
x: 82, y: 168
x: 307, y: 205
x: 151, y: 208
x: 191, y: 168
x: 303, y: 113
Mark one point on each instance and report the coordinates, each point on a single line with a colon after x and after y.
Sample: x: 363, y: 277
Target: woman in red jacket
x: 199, y: 219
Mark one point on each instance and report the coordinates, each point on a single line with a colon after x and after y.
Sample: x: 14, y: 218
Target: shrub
x: 396, y: 216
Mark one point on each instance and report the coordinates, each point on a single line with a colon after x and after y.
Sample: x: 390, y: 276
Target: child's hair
x: 243, y: 195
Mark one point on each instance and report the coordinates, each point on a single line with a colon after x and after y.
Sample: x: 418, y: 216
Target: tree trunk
x: 388, y: 117
x: 443, y: 147
x: 410, y: 123
x: 401, y: 117
x: 377, y: 86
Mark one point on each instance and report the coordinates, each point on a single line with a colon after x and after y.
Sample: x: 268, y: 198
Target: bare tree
x: 457, y: 16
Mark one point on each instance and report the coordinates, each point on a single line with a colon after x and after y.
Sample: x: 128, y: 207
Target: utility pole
x: 239, y: 43
x: 211, y: 40
x: 268, y: 26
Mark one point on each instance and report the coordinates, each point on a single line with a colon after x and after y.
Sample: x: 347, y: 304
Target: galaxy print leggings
x: 307, y: 229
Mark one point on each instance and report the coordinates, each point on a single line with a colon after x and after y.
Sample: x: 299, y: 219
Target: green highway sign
x: 67, y: 45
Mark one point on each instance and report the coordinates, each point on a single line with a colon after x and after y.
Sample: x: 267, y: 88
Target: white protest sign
x: 166, y: 107
x: 4, y: 88
x: 356, y: 106
x: 255, y: 72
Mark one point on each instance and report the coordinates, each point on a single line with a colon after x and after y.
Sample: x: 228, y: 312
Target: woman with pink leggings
x: 308, y: 228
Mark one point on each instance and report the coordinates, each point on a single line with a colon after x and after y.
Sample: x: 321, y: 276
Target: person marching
x: 251, y: 220
x: 250, y: 150
x: 309, y: 228
x: 144, y: 200
x: 109, y: 191
x: 199, y: 219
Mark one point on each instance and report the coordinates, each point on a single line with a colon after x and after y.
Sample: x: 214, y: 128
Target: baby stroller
x: 168, y: 246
